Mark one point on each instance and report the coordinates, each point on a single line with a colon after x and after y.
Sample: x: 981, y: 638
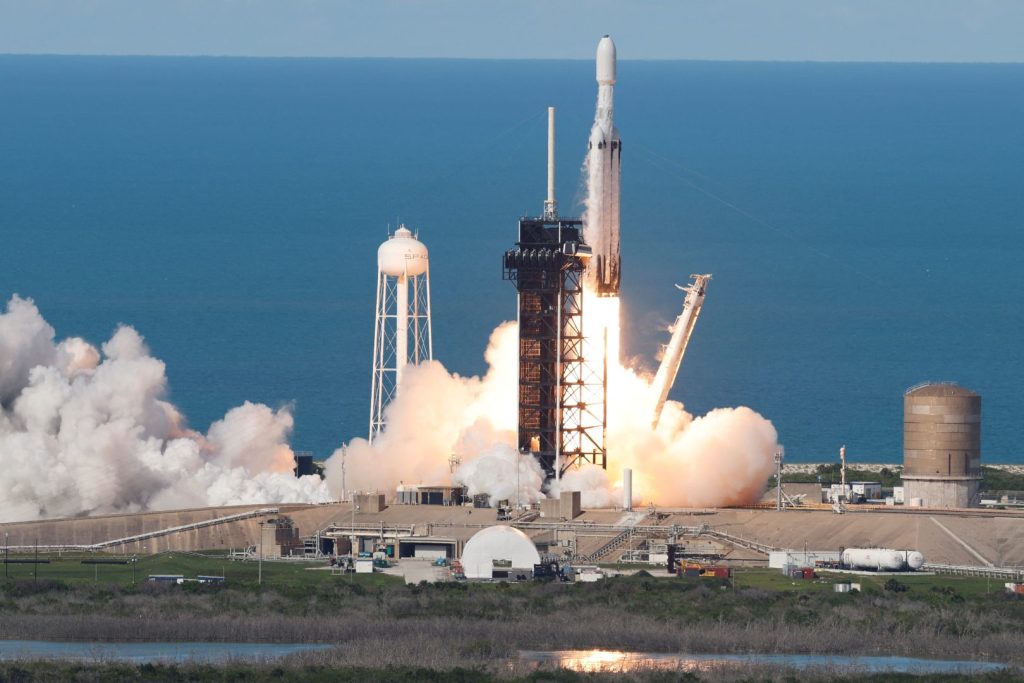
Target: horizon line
x: 507, y: 59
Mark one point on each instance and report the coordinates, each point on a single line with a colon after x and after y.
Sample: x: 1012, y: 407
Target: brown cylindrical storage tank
x: 941, y: 444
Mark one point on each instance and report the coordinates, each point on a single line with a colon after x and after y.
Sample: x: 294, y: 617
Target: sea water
x: 863, y: 223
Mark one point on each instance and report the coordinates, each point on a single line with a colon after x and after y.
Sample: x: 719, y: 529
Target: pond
x: 620, y: 661
x: 142, y: 653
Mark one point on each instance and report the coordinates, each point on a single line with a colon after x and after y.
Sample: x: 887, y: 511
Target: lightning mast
x: 561, y: 409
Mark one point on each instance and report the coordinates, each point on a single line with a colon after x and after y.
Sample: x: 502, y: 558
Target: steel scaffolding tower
x: 561, y: 391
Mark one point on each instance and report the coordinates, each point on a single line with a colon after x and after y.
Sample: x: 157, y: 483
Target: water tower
x: 941, y: 444
x: 401, y: 333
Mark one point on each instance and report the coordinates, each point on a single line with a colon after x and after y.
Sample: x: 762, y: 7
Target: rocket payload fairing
x: 604, y: 162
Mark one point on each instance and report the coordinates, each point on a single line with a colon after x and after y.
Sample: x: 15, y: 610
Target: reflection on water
x: 142, y: 653
x: 619, y: 661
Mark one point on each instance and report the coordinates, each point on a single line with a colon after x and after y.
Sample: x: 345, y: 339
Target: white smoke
x: 85, y: 432
x: 438, y: 422
x: 441, y: 422
x: 502, y: 473
x: 596, y: 489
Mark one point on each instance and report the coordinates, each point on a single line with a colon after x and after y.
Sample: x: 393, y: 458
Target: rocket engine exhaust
x: 604, y: 161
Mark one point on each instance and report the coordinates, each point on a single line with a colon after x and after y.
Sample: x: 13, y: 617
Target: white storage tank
x: 882, y: 559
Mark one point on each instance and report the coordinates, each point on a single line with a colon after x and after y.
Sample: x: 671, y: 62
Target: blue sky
x: 820, y: 30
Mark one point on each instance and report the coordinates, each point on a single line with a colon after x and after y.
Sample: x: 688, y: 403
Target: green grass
x: 293, y: 575
x: 253, y: 673
x: 935, y: 589
x: 371, y: 616
x: 830, y: 475
x: 68, y: 568
x: 1000, y: 480
x: 25, y: 672
x: 993, y: 479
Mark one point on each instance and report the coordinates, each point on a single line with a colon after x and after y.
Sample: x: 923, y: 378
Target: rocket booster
x: 604, y: 161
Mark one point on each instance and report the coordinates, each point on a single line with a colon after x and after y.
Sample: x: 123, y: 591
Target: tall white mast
x: 550, y: 205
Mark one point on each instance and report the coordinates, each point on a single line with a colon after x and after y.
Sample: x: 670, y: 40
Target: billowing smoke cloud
x: 85, y: 432
x: 502, y: 473
x: 595, y: 487
x: 441, y: 422
x: 438, y: 422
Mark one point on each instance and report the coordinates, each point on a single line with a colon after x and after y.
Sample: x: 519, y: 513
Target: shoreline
x: 812, y: 467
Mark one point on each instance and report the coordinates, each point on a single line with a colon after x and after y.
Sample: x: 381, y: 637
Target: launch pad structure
x: 562, y: 411
x: 562, y: 392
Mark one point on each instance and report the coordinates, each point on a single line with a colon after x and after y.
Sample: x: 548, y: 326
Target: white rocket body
x: 604, y: 165
x: 681, y: 332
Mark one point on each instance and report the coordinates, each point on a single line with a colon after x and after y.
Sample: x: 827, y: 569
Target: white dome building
x: 498, y: 552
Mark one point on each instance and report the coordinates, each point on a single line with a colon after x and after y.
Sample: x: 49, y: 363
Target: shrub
x: 895, y: 586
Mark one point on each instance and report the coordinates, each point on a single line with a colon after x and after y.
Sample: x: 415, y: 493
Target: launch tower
x: 401, y: 332
x: 561, y: 397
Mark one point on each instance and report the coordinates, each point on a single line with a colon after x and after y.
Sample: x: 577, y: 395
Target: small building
x: 167, y: 578
x: 898, y: 495
x: 868, y: 490
x: 278, y: 537
x: 786, y: 560
x: 588, y: 573
x: 566, y: 506
x: 420, y: 494
x: 210, y: 579
x: 370, y: 502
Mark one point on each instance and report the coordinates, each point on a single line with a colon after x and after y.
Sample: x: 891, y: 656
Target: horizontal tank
x: 882, y: 559
x: 402, y: 255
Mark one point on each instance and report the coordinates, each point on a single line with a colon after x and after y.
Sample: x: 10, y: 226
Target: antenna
x: 550, y: 205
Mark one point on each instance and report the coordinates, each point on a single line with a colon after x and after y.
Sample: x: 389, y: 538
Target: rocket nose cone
x: 606, y: 61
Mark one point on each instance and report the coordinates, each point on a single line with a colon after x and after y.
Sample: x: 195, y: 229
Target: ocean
x: 864, y: 224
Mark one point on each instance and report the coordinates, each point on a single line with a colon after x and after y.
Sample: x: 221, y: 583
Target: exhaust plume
x: 87, y: 431
x: 447, y: 428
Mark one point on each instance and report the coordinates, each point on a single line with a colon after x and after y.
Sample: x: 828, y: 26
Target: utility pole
x: 259, y: 579
x: 353, y: 541
x: 7, y: 552
x: 779, y: 456
x: 518, y: 459
x: 35, y: 565
x: 842, y: 470
x: 344, y: 459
